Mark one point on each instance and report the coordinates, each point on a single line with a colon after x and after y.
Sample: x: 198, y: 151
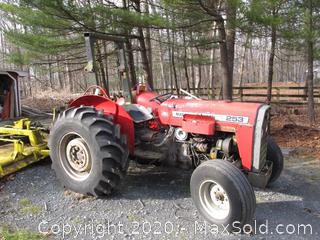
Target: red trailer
x: 10, y: 104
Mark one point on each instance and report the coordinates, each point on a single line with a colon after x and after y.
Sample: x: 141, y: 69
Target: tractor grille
x: 263, y: 151
x: 260, y: 138
x: 264, y: 142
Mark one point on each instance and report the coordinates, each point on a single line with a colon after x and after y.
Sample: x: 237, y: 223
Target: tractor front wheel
x: 222, y: 194
x: 274, y: 155
x: 89, y: 154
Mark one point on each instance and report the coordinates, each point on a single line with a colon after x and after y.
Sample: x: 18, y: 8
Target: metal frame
x: 90, y: 39
x: 14, y: 153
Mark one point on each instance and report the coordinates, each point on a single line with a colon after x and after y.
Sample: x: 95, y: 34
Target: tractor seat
x: 138, y: 113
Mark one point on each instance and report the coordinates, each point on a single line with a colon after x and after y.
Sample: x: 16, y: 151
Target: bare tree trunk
x: 200, y: 78
x: 199, y: 72
x: 212, y: 67
x: 212, y: 74
x: 230, y: 35
x: 226, y: 40
x: 3, y: 50
x: 143, y: 50
x: 271, y: 60
x: 130, y: 52
x: 29, y: 82
x: 173, y: 63
x: 131, y: 63
x: 161, y: 58
x: 227, y: 75
x: 170, y: 50
x: 69, y: 76
x: 185, y: 61
x: 103, y: 81
x: 106, y: 66
x: 163, y: 77
x: 61, y: 85
x: 306, y: 86
x: 50, y: 74
x: 254, y: 73
x: 193, y: 75
x: 243, y: 60
x: 144, y: 58
x: 310, y: 58
x: 149, y: 46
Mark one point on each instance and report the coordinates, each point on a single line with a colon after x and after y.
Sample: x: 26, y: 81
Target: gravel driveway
x: 155, y: 203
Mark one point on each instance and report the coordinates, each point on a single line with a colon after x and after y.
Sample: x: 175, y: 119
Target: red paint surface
x: 198, y: 124
x: 6, y: 107
x: 144, y: 100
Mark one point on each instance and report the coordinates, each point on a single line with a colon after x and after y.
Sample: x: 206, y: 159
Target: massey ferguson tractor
x: 226, y: 143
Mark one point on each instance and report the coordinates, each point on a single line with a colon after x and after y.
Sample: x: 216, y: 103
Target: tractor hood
x: 224, y: 112
x: 248, y: 121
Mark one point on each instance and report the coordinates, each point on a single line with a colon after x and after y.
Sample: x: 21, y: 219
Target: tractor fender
x: 110, y: 108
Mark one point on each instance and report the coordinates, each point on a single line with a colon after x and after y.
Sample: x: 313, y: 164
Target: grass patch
x: 19, y: 234
x: 23, y: 202
x: 34, y: 210
x: 133, y: 218
x: 26, y: 207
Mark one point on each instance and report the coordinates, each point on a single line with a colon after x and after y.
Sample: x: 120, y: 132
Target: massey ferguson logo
x: 217, y: 117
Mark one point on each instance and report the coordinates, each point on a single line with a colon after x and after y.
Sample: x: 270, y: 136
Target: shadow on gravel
x: 299, y: 178
x: 153, y: 182
x: 289, y: 212
x: 302, y: 186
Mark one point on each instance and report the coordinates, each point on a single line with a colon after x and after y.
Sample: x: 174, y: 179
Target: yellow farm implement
x: 20, y: 145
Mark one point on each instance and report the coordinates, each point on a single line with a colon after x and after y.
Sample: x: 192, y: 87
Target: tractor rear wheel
x: 274, y: 155
x: 222, y: 194
x: 89, y: 154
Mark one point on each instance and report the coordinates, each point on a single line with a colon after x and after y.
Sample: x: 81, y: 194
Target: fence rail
x: 290, y: 95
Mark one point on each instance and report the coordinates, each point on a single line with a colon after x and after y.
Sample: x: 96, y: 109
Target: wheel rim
x: 214, y: 199
x: 75, y: 156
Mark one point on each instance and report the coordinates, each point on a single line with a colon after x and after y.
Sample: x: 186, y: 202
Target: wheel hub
x: 78, y: 155
x: 218, y: 196
x: 214, y: 199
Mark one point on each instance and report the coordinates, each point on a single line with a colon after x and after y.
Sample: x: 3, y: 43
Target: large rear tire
x: 89, y: 154
x: 222, y: 194
x: 274, y: 155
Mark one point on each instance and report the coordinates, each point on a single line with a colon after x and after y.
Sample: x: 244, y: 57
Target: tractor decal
x: 218, y: 117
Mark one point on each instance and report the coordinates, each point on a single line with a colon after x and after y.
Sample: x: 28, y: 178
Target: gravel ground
x: 155, y: 203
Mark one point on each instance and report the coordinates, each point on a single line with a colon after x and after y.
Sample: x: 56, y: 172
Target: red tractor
x: 226, y: 143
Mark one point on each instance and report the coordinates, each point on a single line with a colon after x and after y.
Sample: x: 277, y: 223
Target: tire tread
x: 112, y: 149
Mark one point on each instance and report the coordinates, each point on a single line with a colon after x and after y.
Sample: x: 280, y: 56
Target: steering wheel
x: 101, y: 92
x: 161, y: 98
